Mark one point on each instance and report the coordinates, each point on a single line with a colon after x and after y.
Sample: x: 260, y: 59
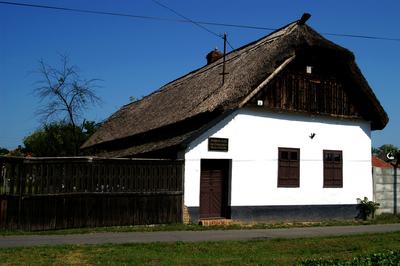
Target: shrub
x: 366, y: 208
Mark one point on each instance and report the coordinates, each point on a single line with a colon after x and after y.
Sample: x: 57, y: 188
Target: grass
x: 260, y: 252
x: 380, y: 219
x: 385, y: 258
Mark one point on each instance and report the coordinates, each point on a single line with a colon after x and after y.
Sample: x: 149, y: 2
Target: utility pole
x: 223, y: 64
x: 395, y: 166
x: 394, y: 159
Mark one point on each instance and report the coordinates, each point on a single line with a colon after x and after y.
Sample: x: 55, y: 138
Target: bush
x: 385, y: 258
x: 366, y: 208
x: 59, y: 139
x: 3, y: 151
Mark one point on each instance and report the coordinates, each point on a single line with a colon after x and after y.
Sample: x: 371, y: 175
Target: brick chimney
x: 213, y: 56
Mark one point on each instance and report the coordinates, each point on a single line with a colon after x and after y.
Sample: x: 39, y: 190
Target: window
x: 333, y: 169
x: 288, y: 167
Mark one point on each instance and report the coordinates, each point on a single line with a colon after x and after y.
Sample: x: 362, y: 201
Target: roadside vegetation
x: 261, y: 252
x: 379, y: 219
x: 387, y: 258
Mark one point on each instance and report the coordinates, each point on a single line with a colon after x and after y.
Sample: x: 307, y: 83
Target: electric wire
x: 59, y: 8
x: 229, y: 44
x: 186, y: 18
x: 199, y: 23
x: 192, y: 21
x: 362, y: 36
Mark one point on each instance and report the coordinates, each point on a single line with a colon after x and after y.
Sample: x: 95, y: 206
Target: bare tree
x: 64, y: 94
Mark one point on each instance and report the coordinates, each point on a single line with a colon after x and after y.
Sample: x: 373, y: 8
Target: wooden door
x: 214, y: 188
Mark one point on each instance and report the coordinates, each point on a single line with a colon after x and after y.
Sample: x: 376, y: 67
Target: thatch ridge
x: 202, y: 90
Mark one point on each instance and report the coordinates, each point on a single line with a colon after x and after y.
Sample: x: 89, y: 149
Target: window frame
x: 333, y: 170
x: 288, y: 166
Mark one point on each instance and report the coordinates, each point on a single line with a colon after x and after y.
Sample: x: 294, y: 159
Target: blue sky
x: 134, y: 57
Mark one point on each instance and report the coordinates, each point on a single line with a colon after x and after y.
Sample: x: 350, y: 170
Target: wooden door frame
x: 226, y: 188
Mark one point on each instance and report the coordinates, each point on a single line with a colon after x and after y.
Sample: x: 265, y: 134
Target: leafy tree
x: 57, y: 139
x: 89, y: 127
x: 3, y: 151
x: 18, y: 152
x: 65, y: 95
x: 383, y: 150
x: 375, y: 151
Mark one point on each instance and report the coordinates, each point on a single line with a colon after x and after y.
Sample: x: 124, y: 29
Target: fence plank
x: 56, y: 193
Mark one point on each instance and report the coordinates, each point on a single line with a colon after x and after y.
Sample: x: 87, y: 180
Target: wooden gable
x: 314, y: 84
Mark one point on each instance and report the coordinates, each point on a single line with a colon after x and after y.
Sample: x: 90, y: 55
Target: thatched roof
x: 202, y: 91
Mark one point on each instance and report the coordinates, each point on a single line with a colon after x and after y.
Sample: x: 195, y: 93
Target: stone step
x: 215, y: 221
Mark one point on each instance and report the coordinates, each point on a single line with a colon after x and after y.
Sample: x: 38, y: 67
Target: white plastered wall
x: 254, y: 137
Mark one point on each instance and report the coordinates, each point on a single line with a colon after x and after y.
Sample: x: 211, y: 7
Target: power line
x: 87, y: 11
x: 229, y: 44
x: 186, y: 18
x: 362, y: 36
x: 194, y: 22
x: 59, y: 8
x: 224, y: 37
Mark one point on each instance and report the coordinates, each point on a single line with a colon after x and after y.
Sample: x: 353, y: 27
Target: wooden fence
x: 56, y: 193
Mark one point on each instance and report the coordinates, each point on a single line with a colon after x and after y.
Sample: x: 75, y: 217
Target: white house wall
x: 254, y: 137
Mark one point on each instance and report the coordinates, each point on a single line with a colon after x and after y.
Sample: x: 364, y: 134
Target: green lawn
x: 261, y: 252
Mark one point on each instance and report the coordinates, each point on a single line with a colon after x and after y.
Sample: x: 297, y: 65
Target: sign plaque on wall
x: 217, y: 144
